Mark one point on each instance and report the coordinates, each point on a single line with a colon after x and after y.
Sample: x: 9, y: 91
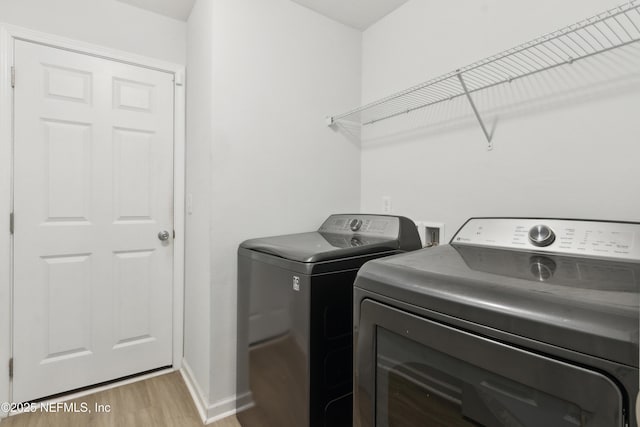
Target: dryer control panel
x: 570, y: 237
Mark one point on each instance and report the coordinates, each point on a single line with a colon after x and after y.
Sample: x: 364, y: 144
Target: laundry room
x: 319, y: 212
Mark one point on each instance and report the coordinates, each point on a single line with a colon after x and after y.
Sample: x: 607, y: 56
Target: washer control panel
x: 571, y: 237
x: 373, y: 225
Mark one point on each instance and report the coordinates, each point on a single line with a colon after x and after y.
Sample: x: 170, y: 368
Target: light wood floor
x: 162, y: 401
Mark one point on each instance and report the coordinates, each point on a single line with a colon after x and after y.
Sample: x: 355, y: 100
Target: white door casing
x: 93, y: 184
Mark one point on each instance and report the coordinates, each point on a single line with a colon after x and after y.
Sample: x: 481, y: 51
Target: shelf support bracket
x: 475, y: 111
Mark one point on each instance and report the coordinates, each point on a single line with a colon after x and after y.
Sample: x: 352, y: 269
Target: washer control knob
x: 541, y: 235
x: 355, y: 224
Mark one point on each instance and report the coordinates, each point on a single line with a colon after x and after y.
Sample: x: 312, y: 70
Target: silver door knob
x: 163, y: 235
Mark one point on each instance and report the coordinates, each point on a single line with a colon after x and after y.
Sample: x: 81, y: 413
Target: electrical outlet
x: 189, y: 203
x: 386, y: 205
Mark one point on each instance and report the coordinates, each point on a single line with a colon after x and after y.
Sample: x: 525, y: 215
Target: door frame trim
x: 9, y: 33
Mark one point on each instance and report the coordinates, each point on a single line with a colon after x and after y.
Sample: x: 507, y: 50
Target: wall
x: 277, y: 70
x: 565, y: 142
x: 107, y: 23
x: 197, y: 316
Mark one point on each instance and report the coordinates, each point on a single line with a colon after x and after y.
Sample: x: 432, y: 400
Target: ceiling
x: 177, y: 9
x: 358, y: 14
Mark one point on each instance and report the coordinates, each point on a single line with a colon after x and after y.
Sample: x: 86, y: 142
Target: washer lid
x: 342, y: 236
x: 319, y: 246
x: 584, y: 304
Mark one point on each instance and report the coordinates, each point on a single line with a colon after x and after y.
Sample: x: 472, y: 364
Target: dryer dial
x: 541, y: 235
x: 355, y: 224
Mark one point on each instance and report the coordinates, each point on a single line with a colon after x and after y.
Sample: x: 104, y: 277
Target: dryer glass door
x: 411, y: 371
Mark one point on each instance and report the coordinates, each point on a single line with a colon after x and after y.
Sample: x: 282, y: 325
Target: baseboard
x: 212, y: 412
x: 221, y: 409
x: 199, y: 399
x: 244, y: 401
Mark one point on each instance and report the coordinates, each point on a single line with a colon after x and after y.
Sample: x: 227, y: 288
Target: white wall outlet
x: 386, y: 205
x: 431, y: 233
x: 189, y: 203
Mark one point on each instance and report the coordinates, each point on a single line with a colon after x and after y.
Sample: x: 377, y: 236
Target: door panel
x: 132, y: 175
x: 67, y: 306
x: 93, y: 183
x: 133, y: 290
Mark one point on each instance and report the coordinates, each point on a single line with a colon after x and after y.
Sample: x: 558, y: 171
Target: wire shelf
x: 608, y: 30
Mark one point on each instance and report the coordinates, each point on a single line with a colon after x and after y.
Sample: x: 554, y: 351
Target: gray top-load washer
x: 295, y: 302
x: 518, y: 321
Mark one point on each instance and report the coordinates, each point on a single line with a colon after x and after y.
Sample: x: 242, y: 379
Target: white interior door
x: 93, y: 187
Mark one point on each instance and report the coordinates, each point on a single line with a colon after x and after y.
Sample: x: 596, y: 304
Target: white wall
x: 107, y: 23
x: 570, y: 155
x: 274, y: 166
x: 197, y: 316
